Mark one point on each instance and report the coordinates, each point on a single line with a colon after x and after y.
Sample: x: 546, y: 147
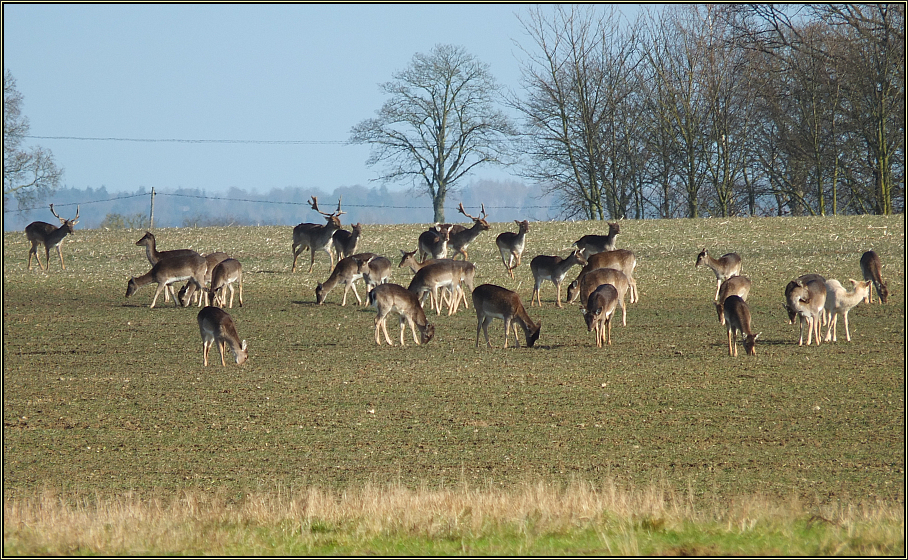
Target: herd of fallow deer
x: 605, y: 279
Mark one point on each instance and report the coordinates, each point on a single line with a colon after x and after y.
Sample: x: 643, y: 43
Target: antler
x: 314, y: 203
x: 54, y: 212
x: 462, y: 211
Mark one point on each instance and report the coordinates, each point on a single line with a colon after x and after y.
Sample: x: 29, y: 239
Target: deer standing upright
x: 619, y: 259
x: 808, y: 300
x: 511, y: 246
x: 345, y: 242
x: 734, y: 286
x: 168, y: 271
x: 43, y: 233
x: 724, y: 267
x: 461, y: 237
x: 316, y: 237
x: 434, y: 242
x: 594, y: 244
x: 553, y: 268
x: 839, y: 300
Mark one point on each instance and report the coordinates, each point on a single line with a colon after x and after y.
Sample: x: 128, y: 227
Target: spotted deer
x: 595, y: 278
x: 216, y: 326
x: 495, y: 302
x: 43, y: 233
x: 392, y: 298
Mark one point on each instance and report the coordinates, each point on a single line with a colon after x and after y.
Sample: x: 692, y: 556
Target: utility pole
x: 151, y: 215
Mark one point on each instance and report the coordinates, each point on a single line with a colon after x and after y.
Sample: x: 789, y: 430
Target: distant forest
x: 504, y: 201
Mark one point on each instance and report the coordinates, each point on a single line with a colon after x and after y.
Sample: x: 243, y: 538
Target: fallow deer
x: 316, y: 237
x: 152, y: 253
x: 216, y: 326
x: 43, y: 233
x: 553, y: 268
x: 595, y: 278
x: 347, y: 271
x: 804, y: 278
x: 168, y: 271
x: 461, y: 237
x: 225, y: 274
x: 808, y: 300
x: 734, y: 286
x: 388, y: 298
x: 465, y: 269
x: 434, y: 275
x: 511, y: 246
x: 594, y: 244
x: 872, y: 270
x: 345, y: 242
x: 376, y: 270
x: 434, y: 242
x: 724, y: 267
x: 495, y: 302
x: 737, y: 320
x: 600, y: 307
x: 619, y: 259
x: 839, y: 300
x: 202, y: 297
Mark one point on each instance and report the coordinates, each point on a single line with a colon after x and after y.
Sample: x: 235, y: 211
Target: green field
x: 104, y: 396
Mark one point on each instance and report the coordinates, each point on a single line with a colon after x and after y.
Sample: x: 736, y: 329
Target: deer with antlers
x: 316, y: 237
x: 460, y: 237
x: 43, y: 233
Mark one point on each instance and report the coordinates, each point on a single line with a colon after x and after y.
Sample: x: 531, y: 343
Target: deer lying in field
x: 808, y: 300
x: 511, y: 246
x: 619, y: 259
x: 168, y: 271
x: 388, y: 298
x: 600, y: 307
x: 434, y: 242
x: 553, y: 268
x: 594, y: 244
x: 734, y: 286
x: 316, y: 237
x: 839, y: 300
x: 43, y: 233
x: 595, y: 278
x: 495, y: 302
x: 461, y: 237
x: 872, y: 270
x: 724, y: 267
x: 216, y: 326
x: 737, y: 320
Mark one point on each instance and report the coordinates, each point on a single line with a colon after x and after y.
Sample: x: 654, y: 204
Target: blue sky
x: 276, y: 72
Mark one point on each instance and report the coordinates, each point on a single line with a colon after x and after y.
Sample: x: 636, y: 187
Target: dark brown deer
x: 495, y: 302
x: 511, y: 246
x: 43, y: 233
x: 872, y: 270
x: 599, y: 243
x: 316, y: 237
x: 461, y: 237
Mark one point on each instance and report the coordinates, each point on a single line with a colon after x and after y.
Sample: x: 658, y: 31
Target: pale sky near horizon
x: 260, y: 72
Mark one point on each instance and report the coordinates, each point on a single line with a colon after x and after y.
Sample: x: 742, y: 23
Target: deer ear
x: 756, y: 336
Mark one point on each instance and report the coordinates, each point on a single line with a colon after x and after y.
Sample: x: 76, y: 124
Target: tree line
x: 690, y: 110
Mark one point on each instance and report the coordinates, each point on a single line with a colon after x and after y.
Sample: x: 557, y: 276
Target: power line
x: 189, y: 141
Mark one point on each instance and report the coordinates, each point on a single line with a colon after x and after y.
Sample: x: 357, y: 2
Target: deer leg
x: 623, y: 312
x: 608, y: 325
x: 206, y: 345
x: 847, y: 333
x: 231, y: 295
x: 403, y: 327
x: 222, y: 348
x: 241, y: 292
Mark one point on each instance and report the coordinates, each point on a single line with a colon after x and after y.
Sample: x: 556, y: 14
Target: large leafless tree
x: 440, y: 122
x: 29, y: 174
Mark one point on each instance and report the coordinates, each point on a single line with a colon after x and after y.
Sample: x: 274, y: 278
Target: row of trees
x: 691, y: 110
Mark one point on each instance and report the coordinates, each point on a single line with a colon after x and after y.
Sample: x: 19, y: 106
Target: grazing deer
x: 348, y: 271
x: 619, y: 259
x: 43, y: 233
x: 345, y: 242
x: 316, y: 237
x: 808, y: 300
x: 511, y: 246
x: 216, y: 326
x: 872, y: 270
x: 435, y: 275
x: 734, y: 286
x: 387, y: 298
x: 724, y: 267
x: 553, y: 268
x: 737, y: 320
x: 376, y: 270
x: 225, y: 274
x: 803, y: 279
x: 600, y: 307
x: 839, y: 300
x: 213, y: 259
x: 495, y: 302
x: 461, y: 237
x: 466, y: 270
x: 434, y: 242
x: 599, y: 243
x: 168, y: 271
x: 595, y: 278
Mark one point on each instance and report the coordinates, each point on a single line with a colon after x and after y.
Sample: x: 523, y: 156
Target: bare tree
x: 439, y: 123
x: 28, y: 174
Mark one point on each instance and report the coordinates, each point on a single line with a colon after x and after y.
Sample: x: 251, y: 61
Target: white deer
x: 840, y: 300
